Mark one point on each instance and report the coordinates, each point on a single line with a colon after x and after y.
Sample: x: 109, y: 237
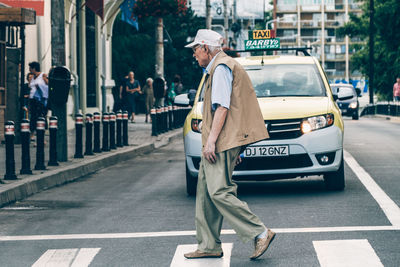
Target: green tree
x: 134, y: 50
x: 387, y: 44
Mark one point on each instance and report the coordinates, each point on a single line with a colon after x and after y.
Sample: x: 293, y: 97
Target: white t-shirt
x: 39, y: 82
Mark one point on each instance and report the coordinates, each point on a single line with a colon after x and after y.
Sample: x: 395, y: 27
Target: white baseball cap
x: 206, y: 37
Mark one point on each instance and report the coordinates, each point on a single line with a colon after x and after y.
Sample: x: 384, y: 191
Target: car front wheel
x: 355, y: 115
x: 191, y: 183
x: 334, y: 181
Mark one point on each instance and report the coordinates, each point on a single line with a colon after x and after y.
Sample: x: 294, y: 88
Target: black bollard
x: 178, y: 116
x: 175, y: 116
x: 53, y: 126
x: 158, y: 120
x: 25, y: 148
x: 119, y: 129
x: 170, y: 122
x: 9, y: 133
x: 78, y: 136
x: 153, y: 121
x: 96, y: 130
x: 106, y: 119
x: 166, y: 120
x: 125, y: 128
x: 163, y: 117
x: 166, y: 128
x: 40, y: 128
x: 89, y: 134
x: 113, y: 119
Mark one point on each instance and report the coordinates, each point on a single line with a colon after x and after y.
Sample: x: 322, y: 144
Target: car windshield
x: 286, y: 80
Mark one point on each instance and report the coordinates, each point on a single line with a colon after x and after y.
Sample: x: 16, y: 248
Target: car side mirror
x: 335, y: 97
x: 182, y: 100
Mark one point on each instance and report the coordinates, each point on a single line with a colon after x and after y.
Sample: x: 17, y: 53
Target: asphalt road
x: 138, y: 214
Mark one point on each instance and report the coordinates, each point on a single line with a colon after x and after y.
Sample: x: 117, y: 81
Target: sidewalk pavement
x: 393, y: 119
x: 140, y: 142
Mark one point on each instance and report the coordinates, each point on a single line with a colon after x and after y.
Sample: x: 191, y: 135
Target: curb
x: 386, y: 117
x: 33, y: 184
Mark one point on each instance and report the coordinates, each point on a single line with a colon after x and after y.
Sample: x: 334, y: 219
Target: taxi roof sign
x: 261, y: 34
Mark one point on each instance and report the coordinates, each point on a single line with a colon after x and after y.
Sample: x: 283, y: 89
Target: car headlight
x: 317, y: 122
x: 196, y: 125
x: 353, y: 105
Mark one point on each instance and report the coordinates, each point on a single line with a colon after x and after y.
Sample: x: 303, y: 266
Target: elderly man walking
x: 231, y: 120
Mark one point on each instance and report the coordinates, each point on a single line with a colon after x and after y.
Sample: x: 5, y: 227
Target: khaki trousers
x: 217, y: 199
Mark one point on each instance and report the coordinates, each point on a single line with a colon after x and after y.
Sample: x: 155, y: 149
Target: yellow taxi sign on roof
x: 261, y: 34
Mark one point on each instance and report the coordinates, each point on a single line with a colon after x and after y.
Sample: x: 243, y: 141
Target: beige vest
x: 244, y: 123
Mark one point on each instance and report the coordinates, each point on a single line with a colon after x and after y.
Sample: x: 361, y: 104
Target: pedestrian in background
x: 170, y: 95
x: 396, y: 90
x: 178, y: 86
x: 25, y: 93
x: 232, y: 119
x: 38, y: 96
x: 148, y: 97
x: 133, y: 92
x: 159, y: 91
x: 117, y: 99
x: 123, y: 94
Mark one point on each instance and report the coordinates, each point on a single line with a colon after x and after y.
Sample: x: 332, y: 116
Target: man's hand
x: 209, y: 152
x: 217, y: 124
x: 238, y: 160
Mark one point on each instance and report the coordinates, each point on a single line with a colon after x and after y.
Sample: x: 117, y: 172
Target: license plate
x: 266, y: 151
x: 344, y: 110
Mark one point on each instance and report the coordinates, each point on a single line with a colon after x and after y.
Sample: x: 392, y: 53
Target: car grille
x: 284, y: 129
x: 275, y: 163
x: 269, y: 163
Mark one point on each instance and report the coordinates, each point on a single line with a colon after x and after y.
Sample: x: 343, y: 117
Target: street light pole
x: 226, y: 22
x: 58, y: 59
x: 371, y: 51
x: 208, y: 14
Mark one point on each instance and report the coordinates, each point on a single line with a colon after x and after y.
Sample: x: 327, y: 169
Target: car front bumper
x: 302, y: 160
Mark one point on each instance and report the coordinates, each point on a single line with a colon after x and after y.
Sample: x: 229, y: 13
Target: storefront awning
x: 17, y: 16
x: 37, y: 5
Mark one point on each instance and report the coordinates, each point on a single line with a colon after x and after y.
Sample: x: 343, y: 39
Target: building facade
x: 88, y: 51
x: 314, y: 23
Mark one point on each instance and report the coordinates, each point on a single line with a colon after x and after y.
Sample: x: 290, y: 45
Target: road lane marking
x: 56, y: 257
x: 85, y: 257
x: 389, y: 207
x: 192, y: 233
x: 67, y: 257
x: 342, y: 253
x: 179, y: 260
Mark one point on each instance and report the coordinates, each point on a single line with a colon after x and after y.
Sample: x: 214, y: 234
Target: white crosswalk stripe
x: 346, y: 253
x: 179, y: 260
x: 67, y: 257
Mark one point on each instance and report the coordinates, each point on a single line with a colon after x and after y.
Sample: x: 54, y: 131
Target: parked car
x: 347, y: 99
x: 302, y: 118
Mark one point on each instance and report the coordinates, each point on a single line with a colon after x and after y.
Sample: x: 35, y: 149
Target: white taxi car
x: 304, y: 122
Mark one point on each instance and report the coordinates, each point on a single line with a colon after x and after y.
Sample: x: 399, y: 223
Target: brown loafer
x: 200, y: 255
x: 262, y: 244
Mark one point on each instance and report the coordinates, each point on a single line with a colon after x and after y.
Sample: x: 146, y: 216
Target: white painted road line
x: 56, y: 257
x: 179, y: 260
x: 192, y: 233
x: 346, y: 253
x: 85, y: 257
x: 389, y: 207
x: 67, y: 257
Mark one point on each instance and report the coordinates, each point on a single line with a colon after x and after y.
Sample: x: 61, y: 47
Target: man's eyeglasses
x: 194, y: 48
